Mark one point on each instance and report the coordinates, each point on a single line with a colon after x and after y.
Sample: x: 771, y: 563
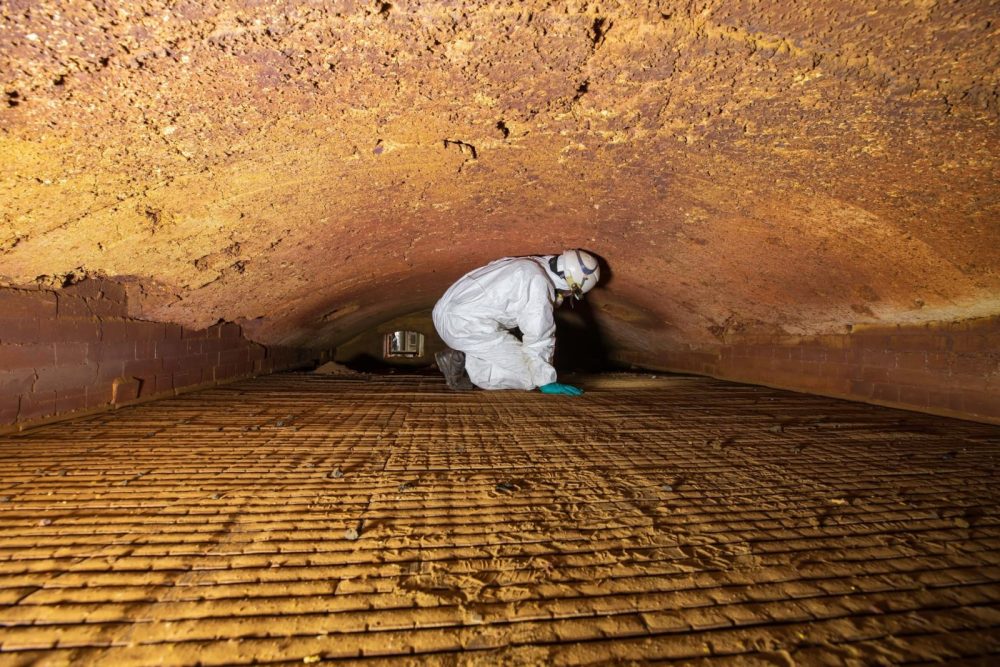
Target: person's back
x: 489, y: 292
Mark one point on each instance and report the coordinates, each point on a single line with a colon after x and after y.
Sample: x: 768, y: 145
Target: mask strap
x: 554, y: 266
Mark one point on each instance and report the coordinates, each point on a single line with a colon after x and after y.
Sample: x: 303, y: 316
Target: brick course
x: 27, y: 303
x: 75, y: 349
x: 17, y: 330
x: 298, y: 519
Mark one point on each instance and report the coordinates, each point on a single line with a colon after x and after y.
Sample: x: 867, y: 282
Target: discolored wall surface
x: 75, y: 350
x: 752, y: 172
x: 950, y: 369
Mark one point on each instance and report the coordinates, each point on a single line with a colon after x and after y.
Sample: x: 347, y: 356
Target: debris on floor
x: 354, y: 532
x: 333, y: 368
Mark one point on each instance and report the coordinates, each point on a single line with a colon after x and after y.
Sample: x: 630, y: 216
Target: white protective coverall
x: 477, y: 313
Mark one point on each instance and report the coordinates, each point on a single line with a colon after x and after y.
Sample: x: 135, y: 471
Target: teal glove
x: 561, y: 389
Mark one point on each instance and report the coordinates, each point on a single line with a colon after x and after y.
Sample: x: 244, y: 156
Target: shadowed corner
x: 581, y: 342
x: 581, y: 345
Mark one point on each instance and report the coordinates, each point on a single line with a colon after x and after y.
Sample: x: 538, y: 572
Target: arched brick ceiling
x: 309, y: 169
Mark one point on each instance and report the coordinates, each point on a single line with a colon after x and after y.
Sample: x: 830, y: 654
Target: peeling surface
x: 743, y: 166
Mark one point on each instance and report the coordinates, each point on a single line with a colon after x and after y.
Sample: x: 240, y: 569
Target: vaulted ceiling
x: 310, y: 169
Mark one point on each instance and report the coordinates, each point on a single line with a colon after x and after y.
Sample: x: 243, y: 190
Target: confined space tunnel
x: 223, y: 227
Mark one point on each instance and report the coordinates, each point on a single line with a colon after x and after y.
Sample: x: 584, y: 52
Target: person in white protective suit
x: 477, y: 315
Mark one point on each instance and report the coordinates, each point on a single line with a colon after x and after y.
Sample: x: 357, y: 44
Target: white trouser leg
x: 494, y: 358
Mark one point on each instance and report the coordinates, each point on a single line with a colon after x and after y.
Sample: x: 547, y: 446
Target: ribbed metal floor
x: 653, y: 519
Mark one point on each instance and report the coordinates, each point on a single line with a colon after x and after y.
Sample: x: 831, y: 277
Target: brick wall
x: 943, y: 368
x: 76, y: 349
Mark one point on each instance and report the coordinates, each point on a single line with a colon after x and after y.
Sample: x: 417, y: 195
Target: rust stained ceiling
x: 312, y: 168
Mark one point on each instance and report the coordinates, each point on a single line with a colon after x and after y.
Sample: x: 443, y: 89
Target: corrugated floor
x: 668, y: 519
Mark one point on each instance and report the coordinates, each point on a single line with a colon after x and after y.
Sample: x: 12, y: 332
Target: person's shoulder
x: 528, y: 265
x: 509, y: 264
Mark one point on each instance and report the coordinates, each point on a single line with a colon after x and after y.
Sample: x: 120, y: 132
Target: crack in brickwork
x: 671, y: 518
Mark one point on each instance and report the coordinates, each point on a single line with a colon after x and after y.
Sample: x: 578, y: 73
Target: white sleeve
x: 538, y: 330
